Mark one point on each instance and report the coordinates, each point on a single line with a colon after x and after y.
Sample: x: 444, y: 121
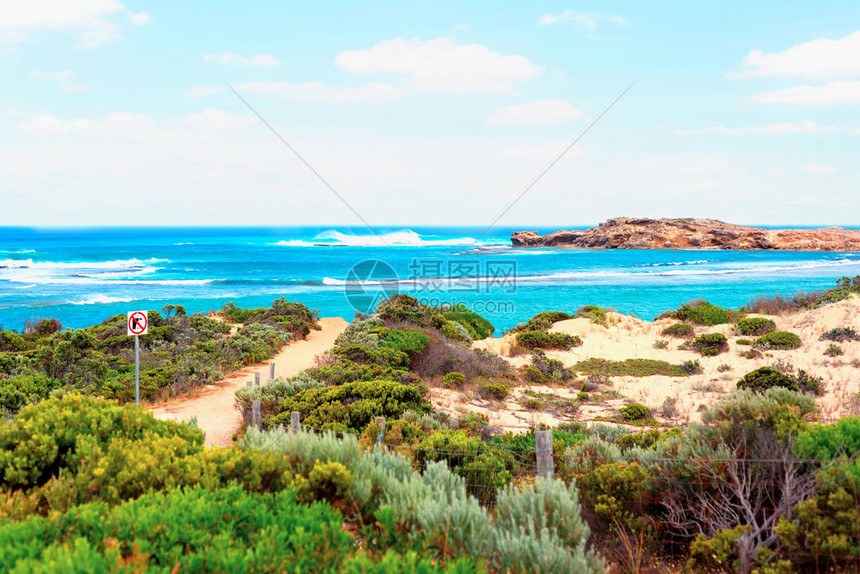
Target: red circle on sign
x: 137, y: 322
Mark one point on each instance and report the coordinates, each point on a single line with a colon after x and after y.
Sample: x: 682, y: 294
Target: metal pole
x: 137, y: 370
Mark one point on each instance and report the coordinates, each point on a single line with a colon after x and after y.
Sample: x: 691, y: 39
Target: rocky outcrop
x: 688, y: 233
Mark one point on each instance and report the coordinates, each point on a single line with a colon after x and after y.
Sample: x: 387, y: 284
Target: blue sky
x: 427, y: 112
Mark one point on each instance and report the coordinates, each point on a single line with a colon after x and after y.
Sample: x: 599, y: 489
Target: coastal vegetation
x: 755, y: 482
x: 179, y: 353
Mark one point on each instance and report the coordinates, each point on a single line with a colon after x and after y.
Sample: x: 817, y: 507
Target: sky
x: 423, y: 113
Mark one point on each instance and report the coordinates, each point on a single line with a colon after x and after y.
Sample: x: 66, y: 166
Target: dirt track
x: 214, y: 409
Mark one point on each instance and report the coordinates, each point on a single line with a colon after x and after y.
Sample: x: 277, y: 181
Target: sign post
x: 138, y: 324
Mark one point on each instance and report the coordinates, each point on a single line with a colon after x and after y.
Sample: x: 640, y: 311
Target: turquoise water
x: 83, y: 276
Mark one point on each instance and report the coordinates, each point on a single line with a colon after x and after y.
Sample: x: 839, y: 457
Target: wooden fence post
x: 255, y: 413
x: 257, y: 379
x: 381, y: 422
x: 295, y: 425
x: 543, y: 448
x: 272, y: 370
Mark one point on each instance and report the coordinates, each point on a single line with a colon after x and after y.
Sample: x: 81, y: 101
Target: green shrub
x: 272, y: 394
x: 635, y: 412
x: 711, y: 344
x: 454, y: 380
x: 744, y: 342
x: 543, y: 340
x: 679, y: 331
x: 841, y: 335
x: 493, y: 390
x: 234, y: 314
x: 755, y: 326
x: 406, y: 340
x: 703, y: 313
x: 834, y: 350
x: 194, y: 530
x: 691, y: 367
x: 553, y: 316
x: 824, y: 532
x: 779, y: 340
x: 19, y: 390
x: 717, y: 553
x: 477, y: 326
x: 809, y: 383
x: 46, y: 437
x: 485, y: 468
x: 352, y: 406
x: 630, y: 367
x: 593, y: 313
x: 765, y: 378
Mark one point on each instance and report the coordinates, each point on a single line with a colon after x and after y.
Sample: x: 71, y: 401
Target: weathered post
x: 255, y: 413
x: 272, y: 371
x: 381, y: 422
x: 294, y: 422
x: 543, y: 448
x: 257, y: 379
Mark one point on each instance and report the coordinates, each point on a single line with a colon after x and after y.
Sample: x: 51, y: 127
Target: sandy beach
x: 214, y: 406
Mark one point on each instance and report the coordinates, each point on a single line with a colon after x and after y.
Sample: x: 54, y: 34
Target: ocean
x: 83, y: 276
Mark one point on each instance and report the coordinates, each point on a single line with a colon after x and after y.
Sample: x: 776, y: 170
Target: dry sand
x: 214, y: 407
x: 627, y: 337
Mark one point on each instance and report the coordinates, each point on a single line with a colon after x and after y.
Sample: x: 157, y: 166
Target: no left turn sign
x: 138, y: 323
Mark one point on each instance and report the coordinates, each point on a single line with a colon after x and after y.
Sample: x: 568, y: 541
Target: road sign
x: 138, y: 323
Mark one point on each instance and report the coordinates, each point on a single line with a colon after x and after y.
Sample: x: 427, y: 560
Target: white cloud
x: 844, y: 92
x: 816, y: 60
x: 802, y: 127
x: 372, y: 92
x: 91, y: 19
x: 541, y: 112
x: 586, y: 21
x: 203, y: 91
x: 63, y: 78
x: 818, y: 169
x: 233, y: 59
x: 140, y: 18
x: 442, y: 65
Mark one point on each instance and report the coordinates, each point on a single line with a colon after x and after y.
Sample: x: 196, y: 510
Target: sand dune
x: 627, y: 337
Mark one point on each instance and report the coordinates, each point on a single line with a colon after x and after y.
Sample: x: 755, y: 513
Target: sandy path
x: 214, y: 408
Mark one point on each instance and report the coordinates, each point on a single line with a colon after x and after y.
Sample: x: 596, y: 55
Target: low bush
x: 765, y: 378
x: 19, y: 390
x: 477, y: 326
x: 691, y: 367
x: 351, y: 406
x: 454, y: 380
x: 834, y: 350
x: 405, y: 340
x: 193, y: 529
x: 809, y: 383
x: 544, y: 340
x: 635, y: 412
x: 593, y: 313
x: 493, y: 390
x: 710, y: 344
x: 679, y: 331
x: 702, y: 313
x: 744, y: 342
x: 755, y: 326
x: 631, y: 367
x: 841, y: 335
x: 779, y: 340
